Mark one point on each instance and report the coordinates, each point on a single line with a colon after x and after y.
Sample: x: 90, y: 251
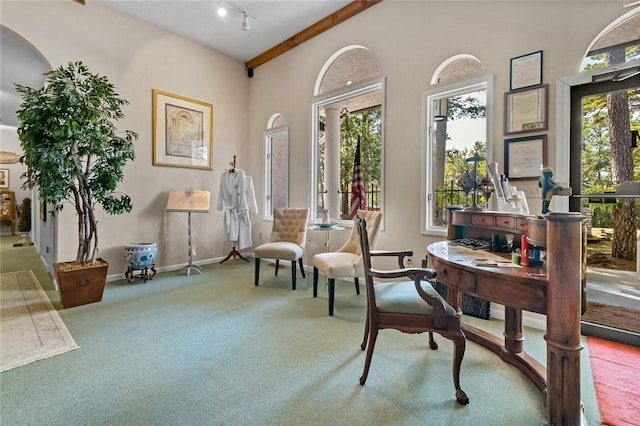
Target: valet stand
x: 189, y: 201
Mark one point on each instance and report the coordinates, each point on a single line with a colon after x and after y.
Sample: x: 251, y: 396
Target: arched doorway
x: 23, y: 64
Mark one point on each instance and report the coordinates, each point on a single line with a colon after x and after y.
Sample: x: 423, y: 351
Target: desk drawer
x: 482, y: 219
x: 506, y: 222
x: 456, y: 278
x: 522, y: 225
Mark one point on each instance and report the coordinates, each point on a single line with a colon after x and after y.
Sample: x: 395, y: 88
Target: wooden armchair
x: 409, y: 306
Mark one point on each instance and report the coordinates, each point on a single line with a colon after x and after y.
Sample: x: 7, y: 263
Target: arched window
x: 455, y: 118
x: 276, y: 165
x: 347, y: 112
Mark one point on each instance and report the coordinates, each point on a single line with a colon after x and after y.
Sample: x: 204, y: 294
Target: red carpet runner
x: 616, y: 373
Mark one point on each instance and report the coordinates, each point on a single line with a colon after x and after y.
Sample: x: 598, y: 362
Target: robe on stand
x: 237, y: 200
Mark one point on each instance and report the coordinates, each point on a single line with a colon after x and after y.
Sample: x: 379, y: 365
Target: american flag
x: 358, y: 197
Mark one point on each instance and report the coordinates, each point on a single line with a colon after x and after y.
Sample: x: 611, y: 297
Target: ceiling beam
x: 308, y: 33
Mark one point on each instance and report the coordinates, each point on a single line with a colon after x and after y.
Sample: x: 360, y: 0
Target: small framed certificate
x: 526, y: 110
x: 524, y: 157
x: 526, y: 71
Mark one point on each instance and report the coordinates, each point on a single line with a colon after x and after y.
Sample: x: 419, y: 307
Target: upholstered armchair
x: 410, y: 305
x: 346, y: 262
x: 287, y: 241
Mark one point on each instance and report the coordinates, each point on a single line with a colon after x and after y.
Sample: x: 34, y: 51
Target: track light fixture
x: 246, y: 25
x: 222, y: 11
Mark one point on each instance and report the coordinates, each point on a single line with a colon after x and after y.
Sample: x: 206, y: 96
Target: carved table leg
x: 563, y: 318
x: 513, y: 339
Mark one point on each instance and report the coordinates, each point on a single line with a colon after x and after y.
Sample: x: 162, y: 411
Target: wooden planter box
x: 80, y: 285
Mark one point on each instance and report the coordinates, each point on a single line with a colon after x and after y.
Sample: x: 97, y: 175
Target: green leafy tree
x: 608, y: 158
x: 72, y: 149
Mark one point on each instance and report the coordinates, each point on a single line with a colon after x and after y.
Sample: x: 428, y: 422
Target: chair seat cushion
x: 402, y: 297
x: 338, y: 264
x: 279, y: 250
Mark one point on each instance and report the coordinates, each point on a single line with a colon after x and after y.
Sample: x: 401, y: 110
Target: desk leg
x: 454, y: 298
x: 563, y: 319
x: 513, y: 339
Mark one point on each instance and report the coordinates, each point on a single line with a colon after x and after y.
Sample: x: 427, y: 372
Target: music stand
x: 189, y: 201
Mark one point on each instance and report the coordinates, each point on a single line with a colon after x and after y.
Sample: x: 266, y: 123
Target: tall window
x: 276, y: 166
x: 455, y: 127
x: 347, y: 111
x: 339, y: 121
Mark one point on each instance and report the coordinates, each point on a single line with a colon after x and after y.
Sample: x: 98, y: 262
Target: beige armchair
x: 346, y: 262
x: 287, y: 241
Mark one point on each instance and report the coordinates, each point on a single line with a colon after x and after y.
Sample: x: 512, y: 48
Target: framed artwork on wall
x: 4, y: 178
x: 526, y: 110
x: 525, y: 157
x: 525, y: 71
x: 182, y: 131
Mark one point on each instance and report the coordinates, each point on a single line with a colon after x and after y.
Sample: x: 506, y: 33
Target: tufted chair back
x: 290, y: 224
x: 353, y: 243
x: 287, y: 241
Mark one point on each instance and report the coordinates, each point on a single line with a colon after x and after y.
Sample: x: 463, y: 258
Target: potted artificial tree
x: 74, y: 154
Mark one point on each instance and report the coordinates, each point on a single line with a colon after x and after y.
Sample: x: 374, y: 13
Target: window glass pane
x: 276, y: 187
x: 338, y: 123
x: 456, y: 130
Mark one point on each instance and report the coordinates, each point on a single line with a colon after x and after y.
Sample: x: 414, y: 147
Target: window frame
x: 269, y: 135
x: 323, y: 100
x: 428, y: 140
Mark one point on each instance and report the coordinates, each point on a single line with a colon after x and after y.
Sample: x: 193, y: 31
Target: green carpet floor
x: 213, y: 349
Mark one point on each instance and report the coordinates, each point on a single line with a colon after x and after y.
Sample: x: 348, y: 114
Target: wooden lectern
x: 189, y: 201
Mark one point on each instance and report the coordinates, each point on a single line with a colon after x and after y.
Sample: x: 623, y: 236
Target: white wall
x: 410, y: 40
x: 137, y: 57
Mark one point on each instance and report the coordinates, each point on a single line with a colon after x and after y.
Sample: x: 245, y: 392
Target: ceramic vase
x: 140, y: 255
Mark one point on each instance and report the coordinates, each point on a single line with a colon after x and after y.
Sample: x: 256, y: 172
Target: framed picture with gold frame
x: 182, y: 131
x: 4, y: 178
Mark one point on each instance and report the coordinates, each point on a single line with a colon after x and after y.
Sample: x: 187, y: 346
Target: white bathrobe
x: 236, y: 205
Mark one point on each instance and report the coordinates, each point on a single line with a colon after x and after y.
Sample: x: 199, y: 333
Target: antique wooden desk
x: 557, y: 295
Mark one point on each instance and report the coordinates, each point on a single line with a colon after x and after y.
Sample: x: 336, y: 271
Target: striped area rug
x: 32, y: 329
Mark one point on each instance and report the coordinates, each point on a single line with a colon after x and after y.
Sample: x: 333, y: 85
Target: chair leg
x: 355, y: 280
x: 257, y: 273
x: 315, y: 282
x: 332, y: 290
x: 366, y: 333
x: 458, y: 353
x: 293, y: 275
x: 301, y: 268
x: 432, y: 342
x: 373, y: 334
x: 277, y: 266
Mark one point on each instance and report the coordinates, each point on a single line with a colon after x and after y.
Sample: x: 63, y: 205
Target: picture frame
x: 525, y: 71
x: 526, y: 110
x: 182, y: 131
x: 524, y: 157
x: 4, y: 178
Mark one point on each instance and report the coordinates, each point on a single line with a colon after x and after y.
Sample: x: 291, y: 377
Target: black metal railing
x: 372, y: 194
